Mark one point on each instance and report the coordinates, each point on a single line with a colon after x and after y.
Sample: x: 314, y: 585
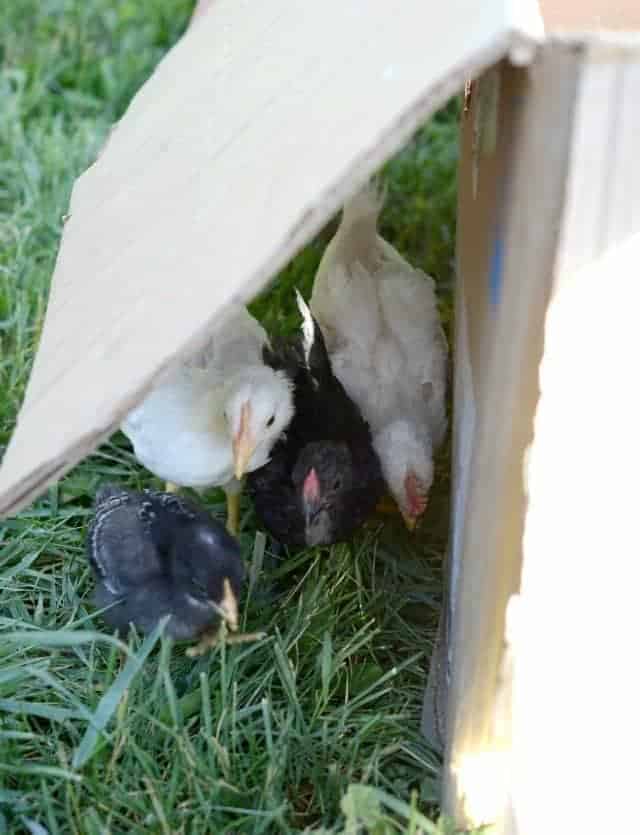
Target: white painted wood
x: 583, y: 15
x: 511, y: 193
x: 250, y: 133
x: 543, y: 685
x: 576, y: 687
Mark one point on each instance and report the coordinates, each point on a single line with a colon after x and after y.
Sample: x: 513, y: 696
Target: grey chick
x: 155, y: 554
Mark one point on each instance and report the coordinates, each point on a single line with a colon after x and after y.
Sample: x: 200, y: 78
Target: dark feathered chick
x: 324, y: 478
x: 156, y: 554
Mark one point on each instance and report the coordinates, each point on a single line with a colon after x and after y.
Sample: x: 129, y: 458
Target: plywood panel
x: 248, y: 136
x: 515, y: 215
x: 576, y: 625
x: 579, y: 15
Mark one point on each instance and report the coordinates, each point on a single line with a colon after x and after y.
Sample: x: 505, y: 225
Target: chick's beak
x: 416, y: 504
x: 243, y: 443
x: 410, y: 521
x: 311, y: 494
x: 229, y: 606
x: 318, y: 528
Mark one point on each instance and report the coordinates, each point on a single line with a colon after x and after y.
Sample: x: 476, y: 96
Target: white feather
x: 182, y: 430
x: 307, y: 326
x: 380, y: 319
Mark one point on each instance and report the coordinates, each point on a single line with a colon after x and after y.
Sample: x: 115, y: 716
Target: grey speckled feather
x: 156, y: 554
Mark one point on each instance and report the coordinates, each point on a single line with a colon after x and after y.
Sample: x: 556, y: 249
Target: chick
x: 324, y: 478
x: 156, y: 554
x: 387, y: 347
x: 215, y: 417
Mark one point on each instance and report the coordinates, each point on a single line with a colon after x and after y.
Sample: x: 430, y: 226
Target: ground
x: 316, y: 727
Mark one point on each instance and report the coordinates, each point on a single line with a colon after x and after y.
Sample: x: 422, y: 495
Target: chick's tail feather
x: 356, y: 236
x: 316, y: 356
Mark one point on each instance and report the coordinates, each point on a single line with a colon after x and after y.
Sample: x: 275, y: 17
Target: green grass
x: 316, y: 727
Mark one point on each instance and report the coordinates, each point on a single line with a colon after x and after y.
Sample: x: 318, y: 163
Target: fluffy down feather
x: 381, y: 323
x: 155, y: 554
x: 324, y: 477
x: 223, y: 405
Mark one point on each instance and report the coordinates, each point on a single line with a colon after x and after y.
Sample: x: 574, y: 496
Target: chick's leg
x: 210, y: 640
x: 233, y: 514
x: 387, y: 506
x: 232, y: 491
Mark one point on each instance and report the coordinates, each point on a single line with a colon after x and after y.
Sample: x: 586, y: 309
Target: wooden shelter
x: 249, y: 135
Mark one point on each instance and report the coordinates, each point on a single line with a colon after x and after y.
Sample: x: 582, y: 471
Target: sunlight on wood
x: 575, y: 687
x: 483, y: 781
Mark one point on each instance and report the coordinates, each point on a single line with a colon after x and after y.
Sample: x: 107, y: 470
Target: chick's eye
x: 271, y: 420
x: 337, y: 484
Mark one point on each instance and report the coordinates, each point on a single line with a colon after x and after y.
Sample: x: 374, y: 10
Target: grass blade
x: 55, y: 714
x: 40, y: 770
x: 108, y: 704
x: 52, y: 638
x: 33, y: 827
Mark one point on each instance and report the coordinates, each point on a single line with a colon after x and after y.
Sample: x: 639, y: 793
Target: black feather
x: 328, y: 433
x: 155, y: 554
x: 318, y: 362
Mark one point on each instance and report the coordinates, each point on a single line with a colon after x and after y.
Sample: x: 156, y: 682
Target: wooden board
x: 510, y: 200
x: 574, y: 635
x: 249, y: 135
x: 532, y: 675
x: 590, y: 15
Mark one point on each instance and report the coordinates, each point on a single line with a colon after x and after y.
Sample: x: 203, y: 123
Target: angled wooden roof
x: 248, y: 136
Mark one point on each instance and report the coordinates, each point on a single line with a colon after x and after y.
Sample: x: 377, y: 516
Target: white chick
x: 216, y: 417
x: 383, y: 332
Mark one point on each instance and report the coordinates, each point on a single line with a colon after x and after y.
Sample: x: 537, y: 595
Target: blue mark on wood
x: 495, y: 270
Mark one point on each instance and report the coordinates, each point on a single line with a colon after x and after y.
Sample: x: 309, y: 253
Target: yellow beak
x: 410, y: 522
x: 229, y: 606
x: 243, y: 444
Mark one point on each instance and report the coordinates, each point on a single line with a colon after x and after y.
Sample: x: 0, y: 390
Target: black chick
x: 156, y: 554
x: 323, y: 478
